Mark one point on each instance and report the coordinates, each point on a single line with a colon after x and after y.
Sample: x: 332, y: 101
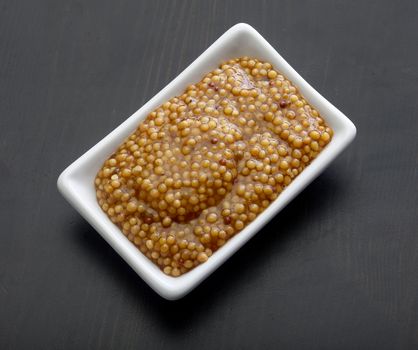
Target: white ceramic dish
x: 76, y: 183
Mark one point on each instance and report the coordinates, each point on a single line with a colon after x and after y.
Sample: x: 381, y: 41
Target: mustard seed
x: 204, y: 164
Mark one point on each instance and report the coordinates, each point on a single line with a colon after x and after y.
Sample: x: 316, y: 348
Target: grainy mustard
x: 205, y: 164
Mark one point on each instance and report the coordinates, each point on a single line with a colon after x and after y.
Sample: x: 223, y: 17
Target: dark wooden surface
x: 337, y: 269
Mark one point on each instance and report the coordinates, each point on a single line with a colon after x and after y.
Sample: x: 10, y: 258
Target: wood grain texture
x: 337, y: 269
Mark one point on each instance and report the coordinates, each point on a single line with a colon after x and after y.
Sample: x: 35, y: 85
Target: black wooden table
x: 337, y: 269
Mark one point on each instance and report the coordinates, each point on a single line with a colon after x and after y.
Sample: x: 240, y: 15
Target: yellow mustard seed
x: 204, y: 164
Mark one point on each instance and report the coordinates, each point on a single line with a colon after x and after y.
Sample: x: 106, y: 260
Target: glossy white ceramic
x: 76, y: 183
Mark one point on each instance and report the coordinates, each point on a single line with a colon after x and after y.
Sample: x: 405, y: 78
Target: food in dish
x: 205, y: 164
